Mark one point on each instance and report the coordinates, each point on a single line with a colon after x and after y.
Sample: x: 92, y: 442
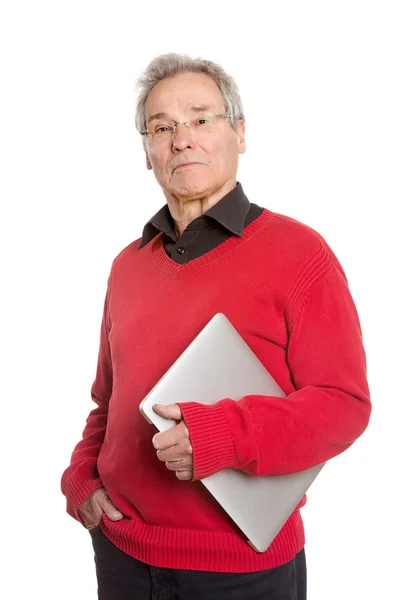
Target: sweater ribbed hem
x: 202, y: 550
x: 210, y: 437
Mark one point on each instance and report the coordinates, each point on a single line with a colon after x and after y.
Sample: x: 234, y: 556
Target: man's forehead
x: 191, y: 108
x: 182, y: 95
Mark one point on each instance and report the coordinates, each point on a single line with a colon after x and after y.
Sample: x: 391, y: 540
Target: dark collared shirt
x: 228, y: 217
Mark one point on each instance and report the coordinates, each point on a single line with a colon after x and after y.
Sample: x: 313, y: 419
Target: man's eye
x: 203, y: 121
x: 162, y: 129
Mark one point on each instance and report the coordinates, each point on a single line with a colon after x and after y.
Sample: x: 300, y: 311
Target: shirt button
x: 181, y: 250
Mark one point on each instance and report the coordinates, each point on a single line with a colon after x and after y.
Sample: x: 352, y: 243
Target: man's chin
x: 190, y: 188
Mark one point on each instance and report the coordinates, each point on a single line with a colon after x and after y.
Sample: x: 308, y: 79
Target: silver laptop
x: 219, y: 364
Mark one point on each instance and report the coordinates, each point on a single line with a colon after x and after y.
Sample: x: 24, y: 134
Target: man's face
x: 213, y: 150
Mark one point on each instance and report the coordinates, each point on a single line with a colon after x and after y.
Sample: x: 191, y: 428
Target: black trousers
x: 121, y: 577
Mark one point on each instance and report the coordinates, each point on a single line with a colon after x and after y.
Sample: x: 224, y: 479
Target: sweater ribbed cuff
x: 77, y: 486
x: 210, y: 437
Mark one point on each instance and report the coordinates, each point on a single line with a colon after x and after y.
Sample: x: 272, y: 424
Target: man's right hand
x: 91, y: 511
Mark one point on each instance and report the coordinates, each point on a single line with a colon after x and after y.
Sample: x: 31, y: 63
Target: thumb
x: 170, y: 411
x: 110, y: 509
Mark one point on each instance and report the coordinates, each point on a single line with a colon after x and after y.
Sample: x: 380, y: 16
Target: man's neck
x: 185, y: 210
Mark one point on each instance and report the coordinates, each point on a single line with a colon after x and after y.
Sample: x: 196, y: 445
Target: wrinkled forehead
x: 184, y: 94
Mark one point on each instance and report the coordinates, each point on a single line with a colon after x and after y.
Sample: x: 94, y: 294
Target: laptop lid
x: 217, y: 364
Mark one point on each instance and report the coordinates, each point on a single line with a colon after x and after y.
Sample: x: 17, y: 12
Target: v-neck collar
x: 177, y: 271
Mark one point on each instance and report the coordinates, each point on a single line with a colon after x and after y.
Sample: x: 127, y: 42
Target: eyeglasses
x: 161, y: 131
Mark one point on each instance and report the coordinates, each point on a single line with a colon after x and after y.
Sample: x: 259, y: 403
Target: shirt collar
x: 230, y: 212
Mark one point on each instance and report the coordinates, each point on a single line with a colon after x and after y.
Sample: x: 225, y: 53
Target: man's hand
x: 173, y: 446
x: 91, y: 511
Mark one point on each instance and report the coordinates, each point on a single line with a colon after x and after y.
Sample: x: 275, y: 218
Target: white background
x: 320, y: 85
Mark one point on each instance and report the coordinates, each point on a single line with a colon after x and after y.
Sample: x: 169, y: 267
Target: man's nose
x: 182, y: 137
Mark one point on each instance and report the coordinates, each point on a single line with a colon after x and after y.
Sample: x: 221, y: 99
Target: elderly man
x: 156, y: 531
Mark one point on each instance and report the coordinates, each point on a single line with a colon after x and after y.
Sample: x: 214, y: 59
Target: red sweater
x: 285, y: 292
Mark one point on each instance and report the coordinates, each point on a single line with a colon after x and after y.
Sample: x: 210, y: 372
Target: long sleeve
x: 81, y: 479
x: 327, y: 412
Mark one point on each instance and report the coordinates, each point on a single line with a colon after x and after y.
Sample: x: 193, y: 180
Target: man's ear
x: 148, y: 163
x: 240, y: 130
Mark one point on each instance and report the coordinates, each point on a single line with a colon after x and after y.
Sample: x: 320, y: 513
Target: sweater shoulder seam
x: 316, y: 266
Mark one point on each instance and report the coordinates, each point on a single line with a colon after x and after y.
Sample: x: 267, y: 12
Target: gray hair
x: 168, y: 65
